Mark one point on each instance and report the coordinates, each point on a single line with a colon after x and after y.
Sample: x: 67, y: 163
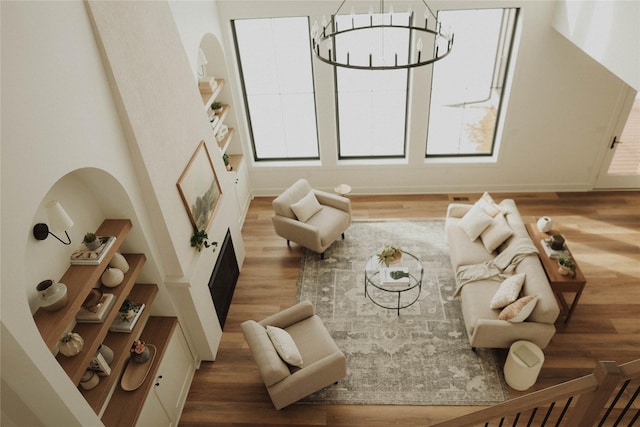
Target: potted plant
x: 200, y: 239
x: 390, y: 255
x: 566, y: 266
x: 91, y: 241
x: 217, y: 107
x: 225, y: 159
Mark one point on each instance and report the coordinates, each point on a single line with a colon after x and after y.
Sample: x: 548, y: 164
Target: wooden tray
x: 135, y: 373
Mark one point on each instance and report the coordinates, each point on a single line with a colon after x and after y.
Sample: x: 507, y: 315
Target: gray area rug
x: 422, y: 356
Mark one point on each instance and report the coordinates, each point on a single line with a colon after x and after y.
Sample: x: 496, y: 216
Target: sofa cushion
x: 306, y: 207
x: 331, y: 223
x: 496, y: 233
x: 461, y: 250
x: 475, y: 221
x: 272, y: 368
x: 519, y: 310
x: 285, y: 346
x: 508, y: 291
x: 489, y: 205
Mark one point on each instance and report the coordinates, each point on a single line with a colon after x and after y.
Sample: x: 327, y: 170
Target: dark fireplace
x: 223, y: 279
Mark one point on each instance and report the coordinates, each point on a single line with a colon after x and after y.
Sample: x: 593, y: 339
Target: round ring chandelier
x: 327, y: 39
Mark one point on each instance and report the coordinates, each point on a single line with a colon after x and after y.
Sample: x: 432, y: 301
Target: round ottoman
x: 523, y: 365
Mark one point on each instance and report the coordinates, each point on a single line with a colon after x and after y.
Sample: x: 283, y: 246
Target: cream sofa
x: 323, y: 362
x: 484, y: 329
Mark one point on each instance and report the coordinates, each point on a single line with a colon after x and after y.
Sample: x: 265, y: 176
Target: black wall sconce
x: 59, y: 221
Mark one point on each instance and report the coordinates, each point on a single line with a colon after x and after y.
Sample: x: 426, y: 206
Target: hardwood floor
x: 602, y: 229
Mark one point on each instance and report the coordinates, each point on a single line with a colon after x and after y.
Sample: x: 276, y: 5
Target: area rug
x: 420, y: 357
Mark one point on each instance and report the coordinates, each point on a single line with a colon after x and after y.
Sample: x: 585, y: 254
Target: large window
x: 372, y: 105
x: 467, y: 86
x: 275, y: 64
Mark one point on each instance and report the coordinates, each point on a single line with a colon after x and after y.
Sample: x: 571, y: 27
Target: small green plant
x: 225, y: 159
x: 566, y: 262
x: 389, y: 255
x: 89, y: 237
x: 200, y: 239
x: 216, y: 105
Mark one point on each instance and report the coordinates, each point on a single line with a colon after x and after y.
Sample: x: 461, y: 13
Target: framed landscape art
x: 199, y: 188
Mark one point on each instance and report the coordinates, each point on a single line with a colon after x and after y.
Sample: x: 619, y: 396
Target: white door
x: 621, y: 163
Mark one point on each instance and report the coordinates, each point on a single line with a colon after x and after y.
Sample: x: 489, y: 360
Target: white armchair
x: 311, y: 218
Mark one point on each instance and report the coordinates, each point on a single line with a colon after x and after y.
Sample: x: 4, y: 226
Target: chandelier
x: 380, y: 40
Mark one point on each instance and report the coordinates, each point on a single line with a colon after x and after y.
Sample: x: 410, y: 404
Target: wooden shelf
x: 79, y: 279
x: 209, y: 97
x: 94, y: 333
x: 235, y: 160
x: 120, y: 343
x: 224, y: 143
x: 125, y: 406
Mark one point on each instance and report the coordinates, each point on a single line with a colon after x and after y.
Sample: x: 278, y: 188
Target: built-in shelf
x: 94, y: 333
x: 209, y: 97
x: 235, y: 160
x: 120, y: 343
x: 125, y: 406
x: 224, y: 142
x: 79, y: 279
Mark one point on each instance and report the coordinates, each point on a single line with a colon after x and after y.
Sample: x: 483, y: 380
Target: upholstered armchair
x: 311, y: 218
x: 306, y: 343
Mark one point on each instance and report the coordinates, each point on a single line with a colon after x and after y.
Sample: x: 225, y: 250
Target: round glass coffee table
x: 404, y: 279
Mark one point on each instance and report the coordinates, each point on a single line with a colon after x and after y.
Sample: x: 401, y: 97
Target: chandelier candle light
x: 327, y: 38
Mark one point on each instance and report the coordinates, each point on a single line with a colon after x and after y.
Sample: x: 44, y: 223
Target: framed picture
x: 199, y: 188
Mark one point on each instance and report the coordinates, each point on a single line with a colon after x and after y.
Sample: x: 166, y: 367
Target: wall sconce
x: 59, y: 221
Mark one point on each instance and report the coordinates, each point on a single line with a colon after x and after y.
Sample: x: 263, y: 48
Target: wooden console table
x: 559, y: 283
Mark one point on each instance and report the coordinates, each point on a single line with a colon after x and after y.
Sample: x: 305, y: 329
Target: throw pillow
x: 519, y: 310
x: 508, y: 291
x: 475, y: 221
x: 285, y: 346
x: 496, y: 233
x: 489, y: 205
x: 306, y: 207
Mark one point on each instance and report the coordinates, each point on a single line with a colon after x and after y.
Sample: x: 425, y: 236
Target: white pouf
x: 523, y: 365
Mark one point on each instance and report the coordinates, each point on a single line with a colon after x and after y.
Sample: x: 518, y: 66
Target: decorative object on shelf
x: 566, y: 267
x: 112, y: 277
x: 99, y: 365
x: 227, y: 163
x: 71, y: 344
x: 217, y: 107
x: 222, y: 132
x: 545, y: 224
x: 200, y: 239
x: 120, y: 262
x: 106, y: 353
x: 128, y: 316
x: 89, y: 380
x: 372, y: 26
x: 390, y: 255
x: 91, y: 241
x: 199, y: 188
x: 93, y: 300
x: 96, y: 312
x: 135, y: 373
x: 556, y: 242
x: 53, y: 295
x: 139, y: 352
x: 203, y: 76
x: 59, y: 221
x: 85, y: 256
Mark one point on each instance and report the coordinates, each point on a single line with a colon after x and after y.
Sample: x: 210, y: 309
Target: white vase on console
x: 545, y: 224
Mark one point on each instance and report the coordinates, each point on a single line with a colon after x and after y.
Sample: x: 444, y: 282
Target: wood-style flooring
x: 601, y: 228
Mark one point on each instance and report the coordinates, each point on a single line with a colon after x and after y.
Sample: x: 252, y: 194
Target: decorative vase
x: 92, y: 246
x: 395, y: 258
x: 120, y: 262
x: 112, y: 277
x: 141, y: 357
x: 53, y: 295
x: 106, y: 353
x: 89, y: 380
x: 564, y: 270
x: 70, y: 344
x: 544, y: 224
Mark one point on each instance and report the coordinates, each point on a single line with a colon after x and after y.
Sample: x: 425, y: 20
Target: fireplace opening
x: 222, y: 282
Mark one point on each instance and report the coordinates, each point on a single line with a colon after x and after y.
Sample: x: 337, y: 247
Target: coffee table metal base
x: 399, y: 305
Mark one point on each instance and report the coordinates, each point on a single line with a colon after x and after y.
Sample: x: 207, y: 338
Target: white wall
x: 556, y: 126
x: 606, y: 30
x: 108, y: 136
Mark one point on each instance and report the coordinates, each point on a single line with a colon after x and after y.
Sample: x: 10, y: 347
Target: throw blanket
x: 499, y: 267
